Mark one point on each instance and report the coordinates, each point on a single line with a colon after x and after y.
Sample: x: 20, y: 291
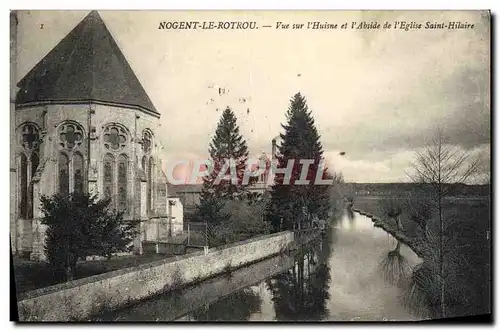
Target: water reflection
x: 350, y: 216
x: 338, y: 277
x: 301, y: 293
x: 395, y: 268
x: 238, y: 306
x: 359, y: 289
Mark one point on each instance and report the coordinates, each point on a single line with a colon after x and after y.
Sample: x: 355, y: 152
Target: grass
x: 30, y: 275
x: 467, y: 262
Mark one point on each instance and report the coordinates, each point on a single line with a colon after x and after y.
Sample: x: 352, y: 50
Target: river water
x: 338, y: 278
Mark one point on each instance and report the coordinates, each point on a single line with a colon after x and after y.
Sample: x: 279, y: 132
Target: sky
x: 377, y: 95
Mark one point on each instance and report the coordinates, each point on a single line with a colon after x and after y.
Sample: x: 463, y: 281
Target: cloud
x: 411, y: 86
x: 396, y: 166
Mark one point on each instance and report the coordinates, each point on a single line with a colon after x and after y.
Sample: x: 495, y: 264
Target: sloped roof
x: 87, y: 65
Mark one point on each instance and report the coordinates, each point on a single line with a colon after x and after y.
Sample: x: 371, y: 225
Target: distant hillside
x: 362, y: 189
x: 190, y: 194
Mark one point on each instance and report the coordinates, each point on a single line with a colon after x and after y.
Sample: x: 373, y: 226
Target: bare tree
x: 438, y: 167
x: 483, y: 174
x: 392, y: 208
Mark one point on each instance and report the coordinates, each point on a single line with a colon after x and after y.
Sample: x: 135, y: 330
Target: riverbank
x: 82, y: 298
x: 393, y: 230
x: 468, y: 261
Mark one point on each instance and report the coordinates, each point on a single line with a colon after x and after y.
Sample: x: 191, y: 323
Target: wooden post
x: 157, y: 236
x: 141, y: 230
x: 206, y: 233
x: 169, y: 209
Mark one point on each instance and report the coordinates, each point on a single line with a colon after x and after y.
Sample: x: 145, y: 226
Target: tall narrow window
x: 78, y: 172
x: 63, y: 174
x: 34, y: 166
x: 35, y: 161
x: 108, y: 175
x: 150, y: 183
x: 122, y: 182
x: 24, y: 187
x: 29, y: 141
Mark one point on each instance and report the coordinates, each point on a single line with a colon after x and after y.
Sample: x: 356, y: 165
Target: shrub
x: 79, y: 226
x: 244, y: 221
x: 391, y: 207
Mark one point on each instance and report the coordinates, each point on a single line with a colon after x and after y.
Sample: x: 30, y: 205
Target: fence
x: 158, y: 237
x: 198, y: 234
x: 157, y: 229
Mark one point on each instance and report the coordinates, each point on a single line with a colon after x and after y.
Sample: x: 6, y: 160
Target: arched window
x: 23, y: 206
x: 148, y: 166
x: 29, y: 140
x: 147, y: 141
x: 72, y: 149
x: 63, y: 174
x: 109, y: 165
x: 122, y: 182
x: 78, y: 174
x: 115, y: 138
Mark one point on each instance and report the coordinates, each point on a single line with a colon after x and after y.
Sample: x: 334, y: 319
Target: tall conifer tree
x: 290, y: 202
x: 221, y: 184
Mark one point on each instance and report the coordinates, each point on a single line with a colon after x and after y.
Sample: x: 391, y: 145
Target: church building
x: 82, y: 122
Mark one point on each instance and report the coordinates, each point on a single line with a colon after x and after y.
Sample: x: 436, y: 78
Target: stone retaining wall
x: 195, y: 297
x: 82, y: 298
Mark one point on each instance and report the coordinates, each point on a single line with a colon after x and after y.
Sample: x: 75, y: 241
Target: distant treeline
x: 360, y: 189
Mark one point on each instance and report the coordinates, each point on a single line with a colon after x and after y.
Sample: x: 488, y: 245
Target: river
x: 337, y: 278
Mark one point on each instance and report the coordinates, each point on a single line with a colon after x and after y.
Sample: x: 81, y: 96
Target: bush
x: 79, y: 226
x: 245, y: 221
x: 391, y: 207
x: 420, y: 211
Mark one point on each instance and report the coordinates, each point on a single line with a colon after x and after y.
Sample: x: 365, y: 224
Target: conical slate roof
x: 86, y: 66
